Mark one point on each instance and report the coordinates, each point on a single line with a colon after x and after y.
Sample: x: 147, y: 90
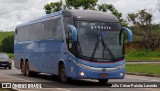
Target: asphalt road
x: 53, y: 84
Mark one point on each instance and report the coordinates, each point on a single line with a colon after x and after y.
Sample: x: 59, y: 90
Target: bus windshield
x: 99, y: 41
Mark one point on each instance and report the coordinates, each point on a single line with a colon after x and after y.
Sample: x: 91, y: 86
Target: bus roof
x: 90, y: 15
x: 85, y: 15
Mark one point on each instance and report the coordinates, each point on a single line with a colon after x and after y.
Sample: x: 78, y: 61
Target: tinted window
x: 16, y: 34
x: 39, y: 28
x: 53, y: 29
x: 32, y: 32
x: 25, y: 33
x: 20, y: 34
x: 57, y: 29
x: 99, y: 39
x: 67, y: 21
x: 49, y: 29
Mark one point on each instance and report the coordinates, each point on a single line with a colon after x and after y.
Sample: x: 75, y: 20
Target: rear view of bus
x: 97, y: 44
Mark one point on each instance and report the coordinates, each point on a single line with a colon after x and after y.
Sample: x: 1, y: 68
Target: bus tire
x: 27, y: 70
x: 62, y: 73
x: 103, y: 81
x: 23, y: 68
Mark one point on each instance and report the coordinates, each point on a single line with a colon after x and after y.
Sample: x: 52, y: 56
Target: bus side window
x: 16, y: 35
x: 68, y: 34
x: 68, y: 21
x: 69, y: 40
x: 16, y: 31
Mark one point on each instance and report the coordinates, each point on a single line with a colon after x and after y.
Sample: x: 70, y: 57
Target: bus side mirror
x: 129, y: 33
x: 74, y: 32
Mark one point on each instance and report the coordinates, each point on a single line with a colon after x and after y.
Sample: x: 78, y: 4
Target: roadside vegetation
x: 143, y: 68
x: 11, y: 56
x: 143, y: 55
x: 7, y: 43
x: 4, y: 34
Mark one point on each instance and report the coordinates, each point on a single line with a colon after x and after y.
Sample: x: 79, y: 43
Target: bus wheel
x: 23, y: 68
x: 62, y: 73
x: 103, y: 81
x: 27, y: 71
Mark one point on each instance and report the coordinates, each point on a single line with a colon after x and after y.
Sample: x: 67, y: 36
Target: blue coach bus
x: 78, y: 44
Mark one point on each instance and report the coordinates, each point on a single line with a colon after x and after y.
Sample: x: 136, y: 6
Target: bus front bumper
x: 86, y: 72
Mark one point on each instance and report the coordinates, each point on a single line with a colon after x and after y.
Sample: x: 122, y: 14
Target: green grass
x: 2, y: 36
x: 144, y: 68
x: 143, y: 55
x: 11, y: 55
x: 5, y: 34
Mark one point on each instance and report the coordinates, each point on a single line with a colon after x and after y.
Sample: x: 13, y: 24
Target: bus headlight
x: 121, y: 74
x: 82, y: 73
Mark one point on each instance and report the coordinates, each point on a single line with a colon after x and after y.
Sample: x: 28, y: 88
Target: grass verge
x: 143, y: 55
x: 4, y: 34
x: 11, y: 55
x: 144, y: 68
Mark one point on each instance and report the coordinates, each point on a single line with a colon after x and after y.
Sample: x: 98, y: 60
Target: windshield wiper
x: 107, y: 48
x: 94, y: 51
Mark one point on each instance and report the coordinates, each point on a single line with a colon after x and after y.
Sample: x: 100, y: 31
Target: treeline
x: 7, y: 42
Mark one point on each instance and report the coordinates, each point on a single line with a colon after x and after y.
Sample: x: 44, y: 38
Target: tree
x: 143, y: 27
x: 7, y: 44
x: 158, y: 5
x: 114, y: 11
x: 70, y: 4
x: 85, y: 4
x: 52, y: 7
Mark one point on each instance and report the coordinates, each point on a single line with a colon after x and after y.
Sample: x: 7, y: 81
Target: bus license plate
x: 103, y: 75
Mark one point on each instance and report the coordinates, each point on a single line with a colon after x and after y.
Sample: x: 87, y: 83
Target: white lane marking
x: 63, y: 89
x: 15, y: 77
x: 143, y: 79
x: 150, y: 89
x: 32, y: 81
x: 44, y: 89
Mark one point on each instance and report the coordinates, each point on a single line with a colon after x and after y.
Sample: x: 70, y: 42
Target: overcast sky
x: 13, y: 12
